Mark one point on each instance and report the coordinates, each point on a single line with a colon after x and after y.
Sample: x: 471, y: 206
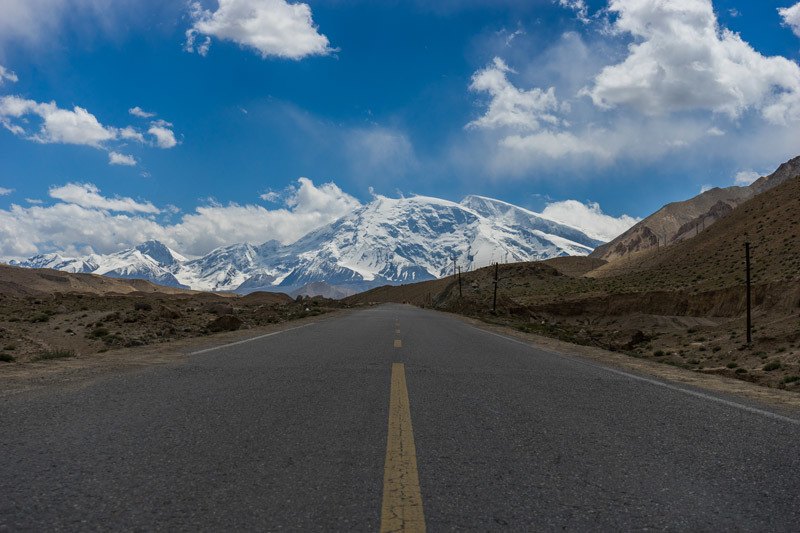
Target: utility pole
x: 459, y: 282
x: 747, y: 277
x: 496, y: 280
x: 454, y: 266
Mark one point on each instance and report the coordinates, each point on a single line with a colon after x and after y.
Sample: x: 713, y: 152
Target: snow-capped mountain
x: 389, y: 240
x: 150, y: 260
x: 59, y: 262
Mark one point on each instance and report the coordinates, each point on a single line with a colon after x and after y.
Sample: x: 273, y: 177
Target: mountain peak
x: 388, y: 240
x: 160, y: 253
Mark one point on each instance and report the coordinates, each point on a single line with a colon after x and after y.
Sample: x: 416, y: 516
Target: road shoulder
x: 780, y: 399
x: 78, y: 371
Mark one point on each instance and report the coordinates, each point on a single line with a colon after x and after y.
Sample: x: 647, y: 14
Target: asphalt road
x: 290, y: 432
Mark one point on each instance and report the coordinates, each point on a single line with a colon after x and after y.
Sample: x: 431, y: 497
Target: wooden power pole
x: 496, y: 280
x: 747, y: 281
x: 459, y: 283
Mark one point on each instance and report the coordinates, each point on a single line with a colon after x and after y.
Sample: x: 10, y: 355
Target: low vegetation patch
x: 98, y: 333
x: 142, y: 306
x: 55, y: 353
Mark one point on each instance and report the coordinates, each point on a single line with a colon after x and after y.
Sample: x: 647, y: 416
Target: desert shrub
x: 112, y: 338
x: 774, y: 365
x: 790, y: 379
x: 6, y: 358
x: 97, y: 333
x: 741, y: 371
x: 168, y: 313
x: 10, y: 346
x: 142, y: 306
x: 39, y: 317
x: 219, y: 308
x: 225, y: 323
x: 732, y: 365
x: 658, y: 353
x: 55, y: 353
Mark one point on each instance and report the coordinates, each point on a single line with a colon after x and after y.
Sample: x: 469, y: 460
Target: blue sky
x: 628, y: 104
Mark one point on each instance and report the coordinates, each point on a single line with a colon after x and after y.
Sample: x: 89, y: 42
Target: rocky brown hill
x: 18, y: 281
x: 679, y: 221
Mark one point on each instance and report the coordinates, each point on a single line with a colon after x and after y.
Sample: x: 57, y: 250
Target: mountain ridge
x: 678, y: 221
x: 388, y: 240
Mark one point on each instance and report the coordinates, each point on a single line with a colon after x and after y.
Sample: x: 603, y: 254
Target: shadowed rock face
x: 679, y: 221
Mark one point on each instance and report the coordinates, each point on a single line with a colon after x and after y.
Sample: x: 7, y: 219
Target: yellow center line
x: 401, y: 509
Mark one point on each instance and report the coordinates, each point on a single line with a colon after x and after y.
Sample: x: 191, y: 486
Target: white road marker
x: 676, y: 388
x: 250, y: 339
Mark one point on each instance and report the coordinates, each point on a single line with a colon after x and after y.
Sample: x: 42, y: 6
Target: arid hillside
x: 681, y: 221
x: 47, y: 314
x: 16, y: 281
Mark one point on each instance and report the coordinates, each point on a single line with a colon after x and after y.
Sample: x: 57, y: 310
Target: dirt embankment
x: 43, y: 326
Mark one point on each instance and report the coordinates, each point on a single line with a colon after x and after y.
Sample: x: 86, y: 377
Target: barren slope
x: 680, y: 221
x: 24, y: 281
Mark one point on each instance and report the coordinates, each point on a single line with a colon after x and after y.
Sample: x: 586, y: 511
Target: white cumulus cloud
x: 164, y: 136
x: 88, y: 195
x: 791, y: 17
x: 75, y: 126
x: 141, y: 113
x: 270, y: 196
x: 579, y: 7
x: 589, y: 218
x: 682, y: 60
x: 509, y: 106
x: 5, y: 191
x: 7, y: 75
x: 271, y: 27
x: 116, y: 158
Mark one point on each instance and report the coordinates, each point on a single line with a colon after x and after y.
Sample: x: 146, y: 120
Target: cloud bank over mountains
x: 81, y: 220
